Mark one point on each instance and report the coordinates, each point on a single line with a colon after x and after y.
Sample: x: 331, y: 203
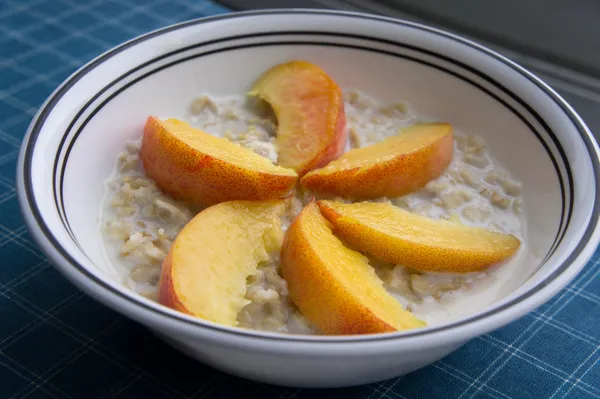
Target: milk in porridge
x: 139, y: 222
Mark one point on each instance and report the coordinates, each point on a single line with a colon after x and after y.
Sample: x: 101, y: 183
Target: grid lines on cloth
x: 56, y: 342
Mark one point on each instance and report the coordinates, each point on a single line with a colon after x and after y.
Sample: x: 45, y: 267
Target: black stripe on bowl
x: 28, y: 202
x: 58, y: 191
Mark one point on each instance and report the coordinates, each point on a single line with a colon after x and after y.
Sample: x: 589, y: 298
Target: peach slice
x: 196, y: 167
x: 392, y: 167
x: 398, y: 236
x: 334, y: 287
x: 205, y: 271
x: 310, y: 114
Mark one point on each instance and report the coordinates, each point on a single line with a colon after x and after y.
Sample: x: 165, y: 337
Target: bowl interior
x: 88, y: 127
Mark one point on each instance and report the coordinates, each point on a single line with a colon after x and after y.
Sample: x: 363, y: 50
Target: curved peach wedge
x: 392, y: 167
x: 310, y: 114
x: 398, y: 236
x: 205, y: 271
x: 196, y: 167
x: 334, y: 287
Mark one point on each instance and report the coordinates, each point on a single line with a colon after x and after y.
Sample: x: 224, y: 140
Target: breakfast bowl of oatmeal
x: 311, y: 198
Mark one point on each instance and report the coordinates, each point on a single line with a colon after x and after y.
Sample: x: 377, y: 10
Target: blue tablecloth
x: 56, y: 342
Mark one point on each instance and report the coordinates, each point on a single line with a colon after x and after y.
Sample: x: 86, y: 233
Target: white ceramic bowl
x: 73, y: 141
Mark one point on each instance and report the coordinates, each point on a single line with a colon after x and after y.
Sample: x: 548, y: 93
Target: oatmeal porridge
x: 139, y: 221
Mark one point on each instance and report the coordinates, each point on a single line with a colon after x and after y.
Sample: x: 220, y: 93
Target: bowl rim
x: 63, y: 261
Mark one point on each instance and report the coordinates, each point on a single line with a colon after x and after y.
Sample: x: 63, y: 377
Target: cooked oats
x: 139, y: 222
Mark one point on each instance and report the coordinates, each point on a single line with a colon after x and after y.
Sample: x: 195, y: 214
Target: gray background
x: 559, y: 40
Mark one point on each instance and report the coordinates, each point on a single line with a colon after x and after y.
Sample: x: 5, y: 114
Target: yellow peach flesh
x: 310, y: 114
x: 334, y: 287
x: 197, y: 167
x: 392, y: 167
x: 205, y: 271
x: 398, y: 236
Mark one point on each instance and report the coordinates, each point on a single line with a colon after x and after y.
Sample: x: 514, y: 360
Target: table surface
x: 56, y: 342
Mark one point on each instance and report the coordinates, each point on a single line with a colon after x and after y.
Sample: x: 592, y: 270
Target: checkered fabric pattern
x: 56, y: 342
